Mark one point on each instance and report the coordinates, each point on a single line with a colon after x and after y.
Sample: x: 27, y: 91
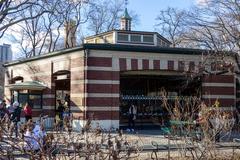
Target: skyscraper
x: 5, y: 56
x: 5, y: 53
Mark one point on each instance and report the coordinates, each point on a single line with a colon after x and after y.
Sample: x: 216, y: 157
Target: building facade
x: 97, y: 77
x: 110, y: 71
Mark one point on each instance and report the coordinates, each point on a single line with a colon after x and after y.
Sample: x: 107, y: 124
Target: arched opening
x: 17, y: 79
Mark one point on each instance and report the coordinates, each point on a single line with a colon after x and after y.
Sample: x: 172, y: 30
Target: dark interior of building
x: 62, y: 88
x: 145, y: 92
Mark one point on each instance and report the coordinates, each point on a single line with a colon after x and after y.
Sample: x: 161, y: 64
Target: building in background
x: 5, y: 56
x: 5, y: 53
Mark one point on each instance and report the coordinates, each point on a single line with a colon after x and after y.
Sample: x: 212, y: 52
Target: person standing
x: 27, y: 111
x: 15, y: 116
x: 132, y: 115
x: 60, y: 109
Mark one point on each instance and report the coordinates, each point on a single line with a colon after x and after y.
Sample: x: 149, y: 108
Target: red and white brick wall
x: 102, y: 91
x: 103, y: 78
x: 42, y: 70
x: 221, y: 87
x: 95, y: 80
x: 77, y: 91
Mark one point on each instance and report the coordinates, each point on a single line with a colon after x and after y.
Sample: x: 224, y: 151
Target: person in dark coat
x: 60, y: 110
x: 15, y: 116
x: 132, y: 113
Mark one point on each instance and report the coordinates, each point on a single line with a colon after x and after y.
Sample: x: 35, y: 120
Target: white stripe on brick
x: 49, y: 107
x: 91, y: 68
x: 140, y: 65
x: 115, y: 64
x: 95, y: 82
x: 103, y: 82
x: 90, y: 108
x: 175, y: 65
x: 218, y: 96
x: 129, y: 65
x: 94, y: 68
x: 151, y: 64
x: 48, y: 96
x: 218, y: 84
x: 186, y: 65
x: 103, y: 95
x: 163, y: 64
x: 94, y: 108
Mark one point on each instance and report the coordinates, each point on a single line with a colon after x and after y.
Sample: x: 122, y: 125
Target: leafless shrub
x: 195, y: 128
x: 62, y: 143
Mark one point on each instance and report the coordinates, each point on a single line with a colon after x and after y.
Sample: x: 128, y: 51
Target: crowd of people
x: 32, y: 133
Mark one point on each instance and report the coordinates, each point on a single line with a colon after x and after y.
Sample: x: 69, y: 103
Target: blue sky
x: 149, y: 9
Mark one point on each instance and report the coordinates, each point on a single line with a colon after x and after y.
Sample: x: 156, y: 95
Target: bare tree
x: 10, y: 10
x: 216, y: 25
x: 45, y: 33
x: 106, y: 14
x: 171, y: 23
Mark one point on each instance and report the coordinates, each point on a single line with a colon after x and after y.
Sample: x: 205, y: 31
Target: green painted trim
x: 126, y: 15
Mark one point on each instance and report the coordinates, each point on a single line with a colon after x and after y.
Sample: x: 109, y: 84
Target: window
x: 135, y: 38
x: 34, y: 98
x: 22, y: 99
x: 123, y: 37
x: 148, y: 38
x: 35, y: 101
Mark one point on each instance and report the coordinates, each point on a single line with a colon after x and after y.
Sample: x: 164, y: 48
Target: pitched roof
x: 28, y: 85
x: 126, y: 15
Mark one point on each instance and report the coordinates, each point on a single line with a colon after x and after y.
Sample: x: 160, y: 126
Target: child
x: 34, y: 138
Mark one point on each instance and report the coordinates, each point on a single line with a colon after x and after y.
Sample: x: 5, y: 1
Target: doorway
x: 62, y: 89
